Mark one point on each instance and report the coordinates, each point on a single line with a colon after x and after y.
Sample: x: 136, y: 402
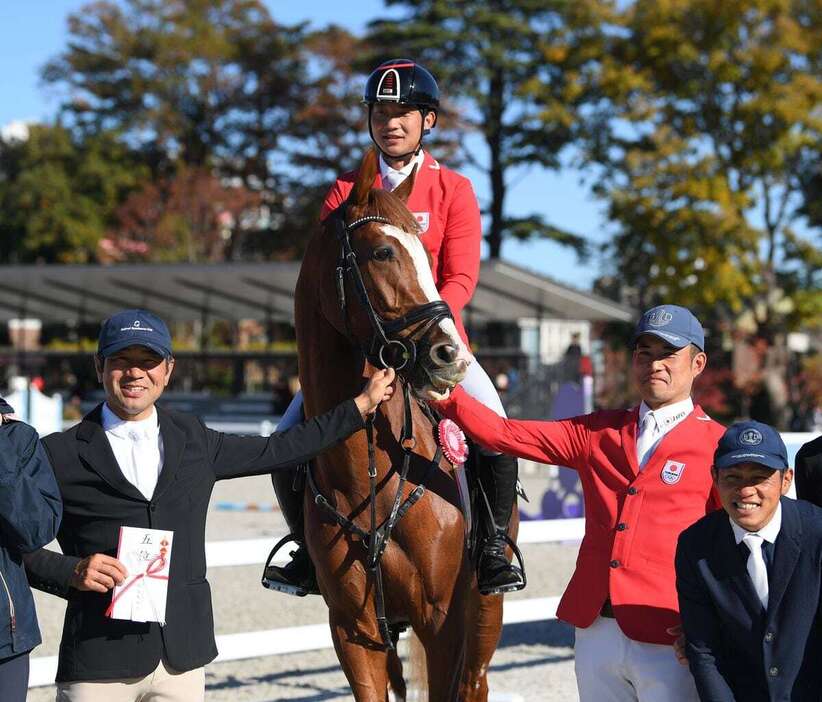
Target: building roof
x: 264, y: 291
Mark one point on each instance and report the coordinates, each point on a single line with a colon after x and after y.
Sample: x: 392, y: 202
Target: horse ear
x: 365, y: 178
x: 403, y: 190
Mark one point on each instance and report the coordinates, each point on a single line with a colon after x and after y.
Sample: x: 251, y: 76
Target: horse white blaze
x: 412, y: 244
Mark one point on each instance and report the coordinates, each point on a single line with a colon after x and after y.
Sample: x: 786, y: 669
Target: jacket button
x: 614, y: 564
x: 632, y: 491
x: 153, y: 508
x: 622, y: 526
x: 773, y: 671
x: 769, y: 636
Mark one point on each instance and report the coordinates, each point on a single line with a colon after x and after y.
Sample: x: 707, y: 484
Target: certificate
x: 146, y: 554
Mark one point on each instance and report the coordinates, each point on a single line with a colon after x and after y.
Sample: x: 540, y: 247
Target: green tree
x: 515, y: 71
x: 710, y: 113
x: 58, y: 193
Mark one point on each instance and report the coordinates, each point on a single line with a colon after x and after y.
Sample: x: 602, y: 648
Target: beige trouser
x: 163, y: 685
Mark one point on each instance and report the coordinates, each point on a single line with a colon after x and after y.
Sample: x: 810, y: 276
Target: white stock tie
x: 756, y: 567
x: 646, y: 437
x: 392, y: 179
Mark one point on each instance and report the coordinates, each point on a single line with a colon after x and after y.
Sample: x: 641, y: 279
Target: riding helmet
x: 403, y: 81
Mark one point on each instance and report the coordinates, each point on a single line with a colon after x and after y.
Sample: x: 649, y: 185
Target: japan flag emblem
x: 672, y: 472
x: 422, y: 220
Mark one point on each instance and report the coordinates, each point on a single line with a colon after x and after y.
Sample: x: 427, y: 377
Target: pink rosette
x: 452, y: 441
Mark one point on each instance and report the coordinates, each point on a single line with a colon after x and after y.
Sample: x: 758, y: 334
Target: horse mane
x: 385, y: 204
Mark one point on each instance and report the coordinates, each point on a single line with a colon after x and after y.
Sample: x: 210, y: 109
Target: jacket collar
x: 95, y: 451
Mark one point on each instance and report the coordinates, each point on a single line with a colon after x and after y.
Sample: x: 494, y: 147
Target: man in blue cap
x: 645, y: 474
x: 749, y: 578
x: 129, y: 463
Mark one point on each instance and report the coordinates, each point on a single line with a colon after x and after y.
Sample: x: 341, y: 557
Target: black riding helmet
x: 404, y: 82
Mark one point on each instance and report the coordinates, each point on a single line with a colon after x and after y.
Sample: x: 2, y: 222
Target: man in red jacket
x: 403, y: 100
x: 646, y: 476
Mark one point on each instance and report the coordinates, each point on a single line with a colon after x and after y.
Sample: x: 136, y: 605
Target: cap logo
x: 659, y: 318
x: 389, y: 86
x: 751, y: 437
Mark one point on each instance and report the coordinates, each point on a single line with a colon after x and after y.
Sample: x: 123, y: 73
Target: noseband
x: 386, y: 347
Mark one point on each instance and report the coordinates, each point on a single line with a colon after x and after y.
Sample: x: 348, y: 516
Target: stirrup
x: 273, y: 579
x: 519, y: 569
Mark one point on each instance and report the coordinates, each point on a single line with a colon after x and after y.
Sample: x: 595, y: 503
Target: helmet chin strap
x: 417, y: 148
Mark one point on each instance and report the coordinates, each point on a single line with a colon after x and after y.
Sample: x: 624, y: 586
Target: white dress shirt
x: 138, y: 448
x: 654, y: 424
x: 391, y: 178
x: 757, y: 569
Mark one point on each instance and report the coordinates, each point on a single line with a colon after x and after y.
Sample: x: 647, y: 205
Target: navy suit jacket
x: 737, y: 650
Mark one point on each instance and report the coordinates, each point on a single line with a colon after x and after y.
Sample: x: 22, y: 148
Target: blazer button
x: 632, y: 491
x: 622, y: 526
x: 153, y: 508
x: 769, y: 636
x: 773, y: 671
x: 614, y: 564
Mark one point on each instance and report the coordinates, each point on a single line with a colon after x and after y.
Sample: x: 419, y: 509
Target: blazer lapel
x: 785, y: 556
x: 628, y: 435
x: 95, y: 451
x: 174, y: 443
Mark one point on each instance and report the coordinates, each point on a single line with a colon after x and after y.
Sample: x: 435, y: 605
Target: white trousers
x: 163, y: 685
x: 610, y: 667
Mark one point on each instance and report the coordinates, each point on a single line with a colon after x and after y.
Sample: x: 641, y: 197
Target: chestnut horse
x: 366, y: 297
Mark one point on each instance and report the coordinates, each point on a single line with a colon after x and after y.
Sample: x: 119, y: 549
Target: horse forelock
x: 384, y: 204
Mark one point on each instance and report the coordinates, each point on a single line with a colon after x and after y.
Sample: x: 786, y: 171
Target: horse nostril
x: 446, y: 353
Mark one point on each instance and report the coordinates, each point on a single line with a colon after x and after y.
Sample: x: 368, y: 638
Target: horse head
x: 386, y: 289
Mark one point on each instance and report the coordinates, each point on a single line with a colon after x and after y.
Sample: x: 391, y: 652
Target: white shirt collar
x: 769, y: 532
x: 401, y: 174
x: 669, y: 415
x: 123, y: 429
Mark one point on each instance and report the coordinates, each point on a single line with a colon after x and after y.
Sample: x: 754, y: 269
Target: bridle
x: 386, y: 347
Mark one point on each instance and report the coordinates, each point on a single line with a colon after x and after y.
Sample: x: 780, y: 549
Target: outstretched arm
x: 563, y: 442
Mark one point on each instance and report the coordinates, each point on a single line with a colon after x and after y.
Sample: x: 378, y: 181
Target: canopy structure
x: 262, y: 291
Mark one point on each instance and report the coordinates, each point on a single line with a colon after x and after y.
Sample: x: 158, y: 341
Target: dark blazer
x: 30, y: 512
x: 809, y: 472
x: 98, y: 500
x: 736, y: 650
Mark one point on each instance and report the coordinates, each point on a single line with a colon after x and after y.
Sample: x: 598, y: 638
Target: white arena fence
x: 272, y: 642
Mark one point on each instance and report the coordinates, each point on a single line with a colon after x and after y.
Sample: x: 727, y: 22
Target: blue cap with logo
x: 673, y: 324
x: 751, y: 442
x: 134, y: 328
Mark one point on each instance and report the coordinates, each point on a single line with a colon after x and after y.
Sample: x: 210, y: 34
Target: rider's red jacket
x: 446, y: 208
x: 633, y: 518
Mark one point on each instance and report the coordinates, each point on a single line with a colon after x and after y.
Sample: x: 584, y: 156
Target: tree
x: 58, y: 193
x: 514, y: 70
x: 710, y: 112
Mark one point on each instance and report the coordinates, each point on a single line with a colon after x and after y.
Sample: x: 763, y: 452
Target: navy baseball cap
x: 673, y: 324
x: 134, y: 328
x: 751, y: 442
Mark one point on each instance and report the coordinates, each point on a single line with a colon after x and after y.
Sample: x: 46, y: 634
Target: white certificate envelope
x: 146, y: 554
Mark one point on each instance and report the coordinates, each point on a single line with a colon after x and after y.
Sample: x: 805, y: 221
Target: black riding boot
x: 297, y: 577
x: 498, y: 477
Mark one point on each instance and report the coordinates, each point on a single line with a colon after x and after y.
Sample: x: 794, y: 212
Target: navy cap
x: 134, y: 328
x: 751, y: 442
x: 673, y: 324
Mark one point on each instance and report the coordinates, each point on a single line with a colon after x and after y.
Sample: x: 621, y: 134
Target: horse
x: 383, y: 518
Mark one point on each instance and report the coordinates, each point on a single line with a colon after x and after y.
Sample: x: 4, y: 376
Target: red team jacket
x: 632, y: 518
x: 446, y: 208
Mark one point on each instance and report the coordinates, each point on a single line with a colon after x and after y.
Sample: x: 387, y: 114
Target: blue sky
x: 33, y: 31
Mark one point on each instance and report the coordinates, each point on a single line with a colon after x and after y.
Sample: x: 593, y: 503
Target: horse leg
x: 445, y: 654
x: 482, y: 636
x: 365, y: 668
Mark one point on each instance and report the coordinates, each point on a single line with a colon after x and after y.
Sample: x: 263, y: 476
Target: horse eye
x: 383, y: 253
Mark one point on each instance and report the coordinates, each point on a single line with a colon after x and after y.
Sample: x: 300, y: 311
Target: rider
x: 403, y: 99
